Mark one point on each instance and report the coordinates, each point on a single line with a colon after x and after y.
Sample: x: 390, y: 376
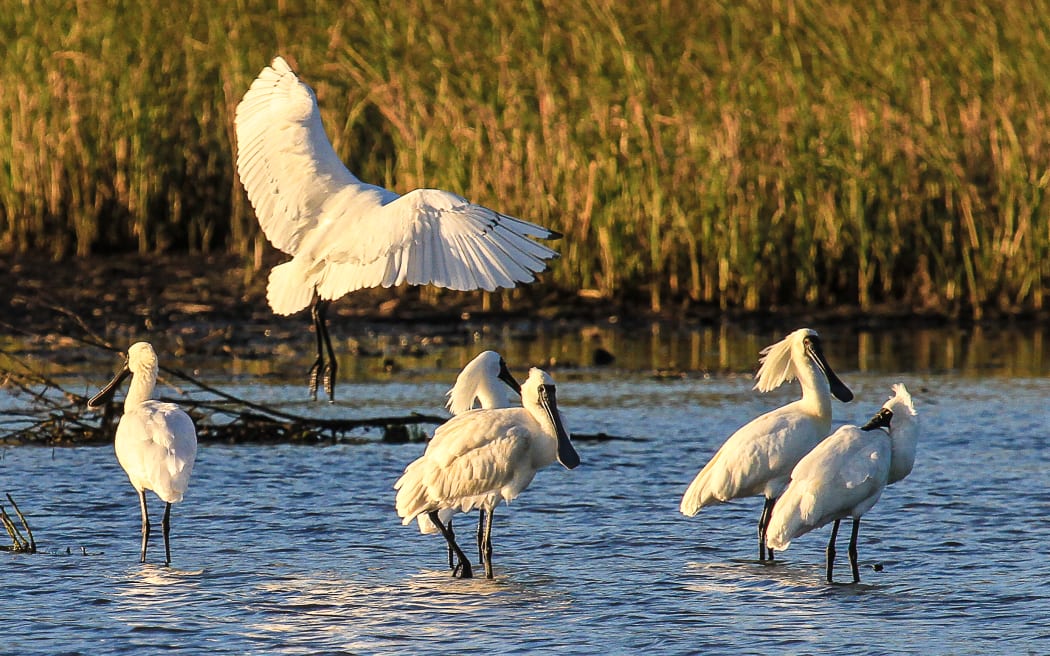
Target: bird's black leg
x: 481, y: 534
x: 830, y: 551
x: 330, y: 367
x: 145, y: 524
x: 321, y: 370
x: 317, y: 313
x: 462, y: 569
x: 165, y: 525
x: 763, y: 524
x: 451, y: 563
x: 486, y: 549
x: 853, y: 549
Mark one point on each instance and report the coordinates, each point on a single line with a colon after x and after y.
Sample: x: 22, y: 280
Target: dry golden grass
x: 743, y: 154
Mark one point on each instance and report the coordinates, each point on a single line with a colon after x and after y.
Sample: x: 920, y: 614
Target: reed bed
x: 739, y: 154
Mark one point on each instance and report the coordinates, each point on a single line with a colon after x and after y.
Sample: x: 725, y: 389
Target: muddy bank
x: 204, y: 304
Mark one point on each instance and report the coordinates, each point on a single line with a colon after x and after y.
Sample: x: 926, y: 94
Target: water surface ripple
x: 297, y: 550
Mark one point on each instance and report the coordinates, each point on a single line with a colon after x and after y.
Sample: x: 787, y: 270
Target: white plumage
x: 758, y: 457
x: 156, y: 442
x: 845, y: 475
x: 482, y: 457
x: 343, y: 234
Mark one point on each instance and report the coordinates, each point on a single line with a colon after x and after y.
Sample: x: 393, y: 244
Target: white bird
x: 485, y: 383
x: 845, y: 475
x: 156, y: 442
x: 482, y: 457
x: 759, y: 456
x: 343, y: 234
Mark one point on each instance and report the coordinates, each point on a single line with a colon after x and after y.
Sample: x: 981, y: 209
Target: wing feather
x: 285, y: 160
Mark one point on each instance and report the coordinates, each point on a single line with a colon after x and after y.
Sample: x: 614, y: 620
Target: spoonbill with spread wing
x: 156, y: 442
x: 343, y: 234
x: 482, y: 457
x: 758, y: 457
x: 845, y: 475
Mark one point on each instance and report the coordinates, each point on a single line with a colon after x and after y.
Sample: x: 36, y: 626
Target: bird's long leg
x: 486, y: 554
x: 321, y: 370
x: 481, y: 534
x: 315, y: 370
x: 830, y: 551
x: 328, y: 375
x: 145, y: 524
x: 763, y: 524
x: 165, y: 525
x: 451, y: 563
x: 853, y: 549
x: 462, y: 569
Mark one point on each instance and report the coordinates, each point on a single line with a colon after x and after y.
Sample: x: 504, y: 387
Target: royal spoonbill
x: 485, y: 383
x: 482, y: 457
x: 156, y: 442
x: 845, y: 475
x: 343, y: 234
x: 759, y: 456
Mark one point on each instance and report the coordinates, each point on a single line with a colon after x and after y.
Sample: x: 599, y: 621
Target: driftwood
x: 59, y: 417
x: 53, y: 416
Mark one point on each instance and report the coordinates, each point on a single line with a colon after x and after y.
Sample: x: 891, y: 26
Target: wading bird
x: 485, y: 383
x: 156, y: 442
x: 343, y: 234
x: 758, y: 457
x: 845, y: 475
x: 482, y: 457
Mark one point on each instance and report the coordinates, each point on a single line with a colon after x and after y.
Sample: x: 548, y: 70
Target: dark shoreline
x: 129, y: 289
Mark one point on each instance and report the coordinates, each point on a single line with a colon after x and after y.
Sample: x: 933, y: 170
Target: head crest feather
x: 777, y: 366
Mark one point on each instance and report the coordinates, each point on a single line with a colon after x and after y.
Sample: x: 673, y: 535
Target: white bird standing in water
x: 845, y: 475
x: 482, y: 457
x: 156, y: 442
x: 484, y: 383
x: 343, y: 234
x: 758, y: 457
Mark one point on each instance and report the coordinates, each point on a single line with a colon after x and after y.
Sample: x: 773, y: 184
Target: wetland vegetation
x: 746, y: 155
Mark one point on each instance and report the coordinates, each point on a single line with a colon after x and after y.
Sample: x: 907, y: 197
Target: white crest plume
x: 901, y: 398
x: 777, y: 366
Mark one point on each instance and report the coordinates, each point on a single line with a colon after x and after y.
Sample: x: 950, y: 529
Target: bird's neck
x: 816, y: 391
x: 903, y: 442
x: 140, y: 391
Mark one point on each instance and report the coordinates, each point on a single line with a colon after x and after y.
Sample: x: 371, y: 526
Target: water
x: 297, y: 549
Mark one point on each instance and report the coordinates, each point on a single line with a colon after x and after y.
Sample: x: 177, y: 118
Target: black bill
x: 567, y: 455
x: 107, y: 392
x: 507, y: 377
x: 880, y: 420
x: 838, y: 388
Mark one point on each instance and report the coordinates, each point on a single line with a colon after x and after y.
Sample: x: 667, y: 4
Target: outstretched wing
x: 285, y: 160
x: 429, y: 237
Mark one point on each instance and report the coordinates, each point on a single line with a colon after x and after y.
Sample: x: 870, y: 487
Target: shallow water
x: 297, y: 549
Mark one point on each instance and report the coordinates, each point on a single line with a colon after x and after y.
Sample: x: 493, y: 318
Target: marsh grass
x: 739, y: 154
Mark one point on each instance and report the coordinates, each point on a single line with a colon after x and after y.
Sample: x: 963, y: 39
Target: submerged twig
x: 25, y: 524
x: 18, y: 543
